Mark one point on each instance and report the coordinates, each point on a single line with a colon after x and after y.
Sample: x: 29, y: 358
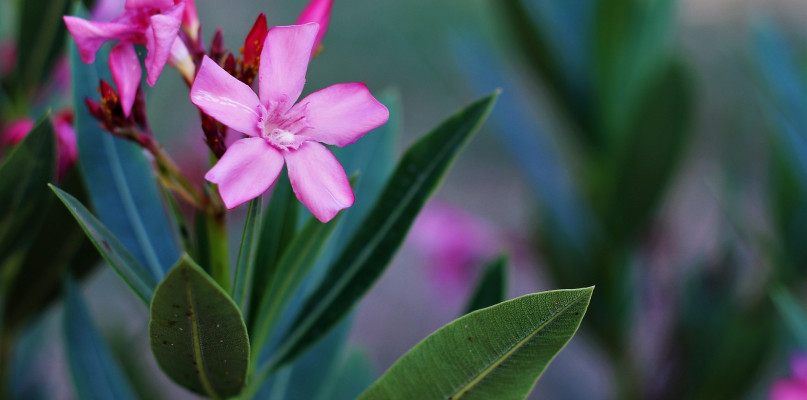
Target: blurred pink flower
x: 794, y: 387
x: 190, y: 19
x: 16, y: 131
x: 152, y: 23
x: 281, y: 131
x: 454, y: 243
x: 67, y: 149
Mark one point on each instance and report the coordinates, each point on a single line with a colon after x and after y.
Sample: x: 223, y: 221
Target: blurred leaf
x: 369, y: 251
x: 277, y: 230
x: 24, y: 174
x: 38, y: 280
x: 298, y: 258
x: 792, y: 312
x: 495, y: 353
x: 197, y: 334
x: 96, y: 373
x: 355, y: 374
x: 134, y: 274
x: 491, y: 288
x: 40, y: 41
x: 246, y: 254
x: 120, y: 178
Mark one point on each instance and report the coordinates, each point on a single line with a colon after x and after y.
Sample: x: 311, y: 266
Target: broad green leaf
x: 96, y: 373
x: 120, y: 178
x: 492, y: 286
x: 24, y: 174
x: 291, y: 270
x: 197, y: 334
x: 277, y: 230
x: 38, y: 279
x: 127, y: 267
x: 494, y: 353
x: 41, y: 40
x: 246, y: 254
x: 371, y: 248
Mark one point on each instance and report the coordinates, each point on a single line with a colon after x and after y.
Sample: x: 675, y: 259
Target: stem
x: 217, y: 241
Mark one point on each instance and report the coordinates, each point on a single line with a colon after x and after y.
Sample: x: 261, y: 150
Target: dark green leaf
x: 134, y: 274
x: 494, y: 353
x: 120, y: 179
x: 24, y: 174
x: 792, y: 313
x: 277, y: 230
x: 96, y: 373
x: 369, y: 251
x: 246, y: 254
x: 40, y: 42
x: 197, y: 334
x: 492, y: 286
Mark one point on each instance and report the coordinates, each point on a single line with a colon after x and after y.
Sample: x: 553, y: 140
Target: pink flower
x: 16, y: 131
x: 152, y: 23
x: 281, y: 131
x: 190, y: 19
x: 318, y: 11
x: 455, y: 243
x: 794, y: 387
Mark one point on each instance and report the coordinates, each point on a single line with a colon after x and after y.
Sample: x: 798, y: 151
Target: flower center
x: 282, y: 130
x: 283, y: 139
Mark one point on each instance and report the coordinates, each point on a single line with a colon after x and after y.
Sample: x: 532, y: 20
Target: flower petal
x: 90, y: 36
x: 225, y: 98
x: 247, y: 169
x: 342, y: 113
x: 284, y: 62
x: 125, y: 68
x: 318, y: 11
x: 158, y: 4
x: 318, y: 180
x: 160, y: 37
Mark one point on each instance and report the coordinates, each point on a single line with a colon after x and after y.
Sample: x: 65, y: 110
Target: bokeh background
x: 653, y: 148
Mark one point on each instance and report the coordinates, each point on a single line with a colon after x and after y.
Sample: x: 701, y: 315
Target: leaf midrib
x: 517, y: 346
x: 197, y: 341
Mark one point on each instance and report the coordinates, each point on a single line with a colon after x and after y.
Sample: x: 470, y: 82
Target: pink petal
x: 90, y: 36
x: 247, y: 169
x: 125, y: 68
x: 66, y: 142
x: 786, y: 389
x: 16, y: 131
x: 160, y: 37
x: 225, y: 98
x: 342, y: 113
x: 105, y: 10
x: 190, y: 18
x: 284, y: 61
x: 158, y: 4
x: 318, y: 11
x: 318, y: 180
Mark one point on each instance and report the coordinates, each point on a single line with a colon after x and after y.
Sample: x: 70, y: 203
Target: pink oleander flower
x: 794, y: 387
x: 282, y: 132
x: 152, y: 23
x: 318, y: 11
x: 190, y: 19
x: 454, y: 244
x: 66, y: 146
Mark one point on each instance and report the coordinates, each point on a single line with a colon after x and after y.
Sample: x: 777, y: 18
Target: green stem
x: 219, y: 258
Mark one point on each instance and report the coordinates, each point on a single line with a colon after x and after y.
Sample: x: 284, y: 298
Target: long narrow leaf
x: 129, y: 269
x: 369, y: 251
x: 96, y: 373
x: 495, y: 353
x: 492, y: 286
x: 246, y: 255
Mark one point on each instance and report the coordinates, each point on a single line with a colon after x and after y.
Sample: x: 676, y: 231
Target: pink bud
x: 318, y: 11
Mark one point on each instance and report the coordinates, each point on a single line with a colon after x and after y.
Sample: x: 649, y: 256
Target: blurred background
x: 654, y: 148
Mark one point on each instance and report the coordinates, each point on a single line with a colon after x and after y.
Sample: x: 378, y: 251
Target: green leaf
x: 277, y: 230
x: 197, y: 334
x: 367, y: 254
x: 120, y: 178
x: 492, y: 286
x: 24, y: 175
x: 96, y: 373
x: 246, y: 254
x: 792, y: 312
x: 495, y: 353
x: 127, y: 267
x: 291, y: 270
x: 40, y: 42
